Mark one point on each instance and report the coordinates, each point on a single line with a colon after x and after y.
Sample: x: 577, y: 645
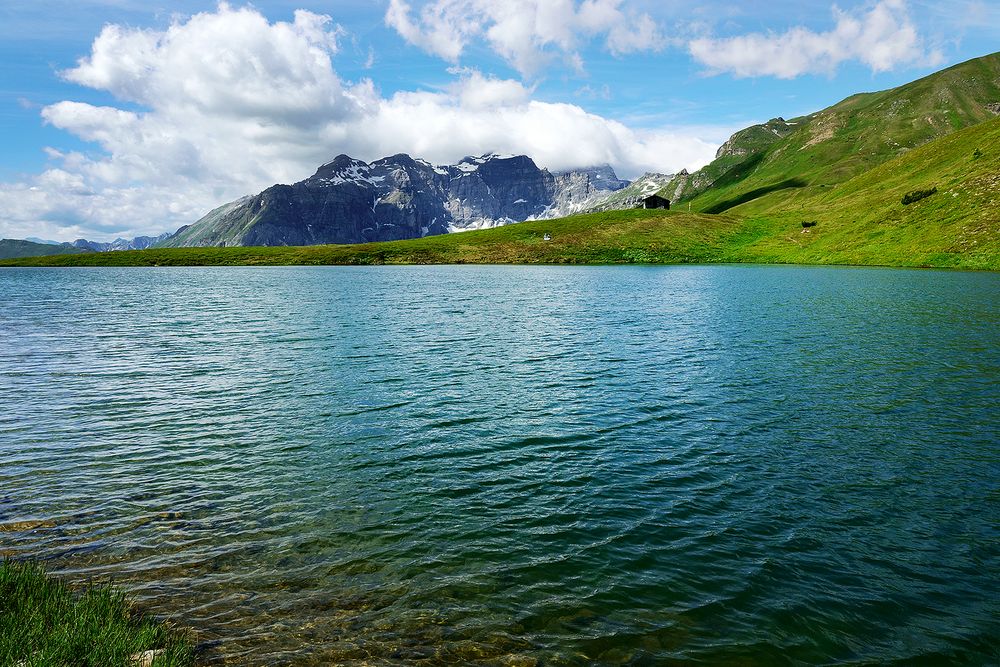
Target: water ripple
x: 516, y: 466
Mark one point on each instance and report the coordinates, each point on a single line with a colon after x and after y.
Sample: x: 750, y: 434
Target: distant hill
x: 33, y: 247
x: 137, y: 243
x: 847, y: 139
x: 15, y: 248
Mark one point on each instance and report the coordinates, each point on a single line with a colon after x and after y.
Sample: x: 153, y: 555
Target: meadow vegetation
x: 45, y: 623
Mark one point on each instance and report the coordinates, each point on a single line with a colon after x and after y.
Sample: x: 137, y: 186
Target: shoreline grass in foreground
x: 44, y: 623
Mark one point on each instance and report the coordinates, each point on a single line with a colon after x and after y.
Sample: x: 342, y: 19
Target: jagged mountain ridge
x: 398, y: 197
x: 138, y: 243
x: 33, y: 247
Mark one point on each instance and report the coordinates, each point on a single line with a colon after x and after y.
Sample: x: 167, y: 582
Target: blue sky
x: 122, y: 117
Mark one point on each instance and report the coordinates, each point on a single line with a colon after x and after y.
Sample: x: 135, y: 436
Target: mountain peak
x: 342, y: 168
x: 342, y: 161
x: 401, y: 160
x: 493, y: 157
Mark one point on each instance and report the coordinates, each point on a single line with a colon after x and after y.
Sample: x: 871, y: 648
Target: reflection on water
x: 515, y: 466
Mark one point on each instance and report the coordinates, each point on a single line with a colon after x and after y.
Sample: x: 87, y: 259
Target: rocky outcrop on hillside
x: 755, y: 138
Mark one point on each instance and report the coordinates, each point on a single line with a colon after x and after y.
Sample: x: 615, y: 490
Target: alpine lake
x: 741, y: 465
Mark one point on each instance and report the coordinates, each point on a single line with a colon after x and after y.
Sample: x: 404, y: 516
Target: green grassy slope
x: 851, y: 137
x: 732, y: 161
x: 863, y: 220
x: 14, y: 248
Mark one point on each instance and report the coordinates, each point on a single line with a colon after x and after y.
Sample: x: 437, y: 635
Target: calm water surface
x: 516, y: 466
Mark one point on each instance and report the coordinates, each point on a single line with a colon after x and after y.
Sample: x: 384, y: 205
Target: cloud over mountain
x: 226, y: 102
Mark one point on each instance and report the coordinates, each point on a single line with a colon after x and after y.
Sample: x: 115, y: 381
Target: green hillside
x: 847, y: 139
x: 15, y: 248
x: 735, y: 157
x: 863, y: 221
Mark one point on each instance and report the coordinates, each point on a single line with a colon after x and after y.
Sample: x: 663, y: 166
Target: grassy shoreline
x: 44, y: 622
x: 608, y: 238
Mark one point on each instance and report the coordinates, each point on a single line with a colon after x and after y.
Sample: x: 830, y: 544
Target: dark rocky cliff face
x: 398, y: 197
x: 583, y: 189
x: 487, y: 191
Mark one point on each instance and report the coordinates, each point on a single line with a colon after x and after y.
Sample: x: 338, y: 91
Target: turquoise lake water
x: 515, y: 465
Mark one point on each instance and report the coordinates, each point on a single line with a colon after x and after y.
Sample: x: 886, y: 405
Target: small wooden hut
x: 655, y: 201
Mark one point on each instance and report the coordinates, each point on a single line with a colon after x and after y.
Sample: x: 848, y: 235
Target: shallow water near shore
x: 516, y: 465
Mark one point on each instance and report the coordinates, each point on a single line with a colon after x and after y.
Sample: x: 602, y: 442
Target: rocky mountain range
x: 138, y: 243
x: 399, y: 197
x: 36, y: 247
x: 350, y: 201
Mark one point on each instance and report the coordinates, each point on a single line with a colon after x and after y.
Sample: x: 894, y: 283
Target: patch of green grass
x: 43, y: 623
x: 754, y: 194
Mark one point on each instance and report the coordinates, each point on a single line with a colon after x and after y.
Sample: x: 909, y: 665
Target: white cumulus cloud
x: 526, y: 33
x: 882, y: 38
x: 226, y: 103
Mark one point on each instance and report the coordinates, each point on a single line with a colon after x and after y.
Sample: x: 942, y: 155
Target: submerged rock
x: 145, y: 659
